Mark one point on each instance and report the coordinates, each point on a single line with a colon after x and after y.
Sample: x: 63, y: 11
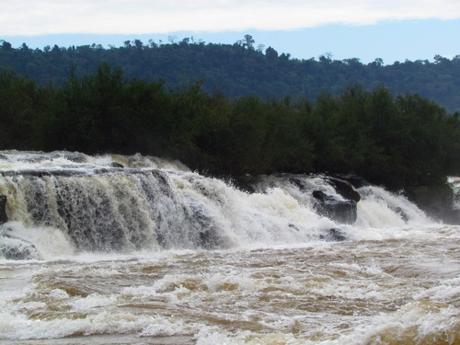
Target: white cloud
x: 32, y: 17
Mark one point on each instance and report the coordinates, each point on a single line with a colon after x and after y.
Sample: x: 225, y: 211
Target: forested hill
x: 238, y: 70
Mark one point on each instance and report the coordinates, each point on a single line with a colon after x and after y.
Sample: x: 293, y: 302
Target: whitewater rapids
x: 138, y: 250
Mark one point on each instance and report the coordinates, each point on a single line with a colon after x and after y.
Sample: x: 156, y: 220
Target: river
x: 153, y: 253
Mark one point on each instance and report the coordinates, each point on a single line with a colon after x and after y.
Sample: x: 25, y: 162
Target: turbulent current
x: 137, y: 250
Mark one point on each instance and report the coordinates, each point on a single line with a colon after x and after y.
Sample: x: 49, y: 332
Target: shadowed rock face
x: 342, y: 211
x: 3, y: 216
x: 437, y: 201
x: 344, y: 188
x: 116, y: 165
x: 353, y: 180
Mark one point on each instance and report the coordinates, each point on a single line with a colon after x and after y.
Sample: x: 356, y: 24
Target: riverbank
x: 391, y: 141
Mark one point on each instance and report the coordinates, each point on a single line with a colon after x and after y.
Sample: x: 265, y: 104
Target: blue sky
x: 366, y: 29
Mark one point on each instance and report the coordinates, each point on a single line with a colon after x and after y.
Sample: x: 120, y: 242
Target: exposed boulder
x: 342, y: 211
x: 3, y: 215
x: 246, y: 183
x: 333, y: 235
x: 116, y: 165
x: 76, y: 157
x: 355, y: 180
x: 344, y: 188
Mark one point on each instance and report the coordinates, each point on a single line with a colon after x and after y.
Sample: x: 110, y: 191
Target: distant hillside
x: 239, y: 69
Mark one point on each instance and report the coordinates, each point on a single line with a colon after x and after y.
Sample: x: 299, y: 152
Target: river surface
x: 264, y: 275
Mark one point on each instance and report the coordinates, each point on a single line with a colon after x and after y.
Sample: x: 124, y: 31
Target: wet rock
x: 208, y: 239
x: 246, y: 183
x: 403, y: 214
x: 42, y: 173
x: 76, y: 157
x: 292, y: 226
x: 116, y: 165
x: 3, y: 215
x: 333, y: 235
x: 14, y: 248
x: 208, y: 234
x: 342, y: 211
x: 355, y: 180
x: 344, y: 188
x: 68, y: 172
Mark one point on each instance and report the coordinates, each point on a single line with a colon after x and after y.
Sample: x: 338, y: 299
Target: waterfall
x: 380, y: 208
x: 128, y: 203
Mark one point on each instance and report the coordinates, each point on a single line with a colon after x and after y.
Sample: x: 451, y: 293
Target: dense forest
x: 237, y: 70
x: 393, y: 140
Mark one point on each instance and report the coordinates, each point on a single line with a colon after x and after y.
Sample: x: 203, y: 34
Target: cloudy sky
x: 274, y: 21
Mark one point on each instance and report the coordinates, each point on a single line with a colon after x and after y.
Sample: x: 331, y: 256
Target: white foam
x: 379, y: 208
x: 18, y: 327
x: 50, y: 243
x: 91, y: 301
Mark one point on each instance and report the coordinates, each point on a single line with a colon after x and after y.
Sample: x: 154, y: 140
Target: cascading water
x: 139, y: 250
x: 379, y: 208
x: 151, y: 204
x: 454, y: 182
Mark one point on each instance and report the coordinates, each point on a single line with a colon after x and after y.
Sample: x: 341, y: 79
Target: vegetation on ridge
x: 238, y: 70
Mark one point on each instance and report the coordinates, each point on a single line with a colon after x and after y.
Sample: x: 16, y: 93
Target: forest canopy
x: 392, y: 140
x: 242, y: 69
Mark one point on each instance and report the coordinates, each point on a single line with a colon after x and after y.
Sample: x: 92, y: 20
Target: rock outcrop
x: 116, y: 165
x: 342, y: 211
x: 344, y: 188
x: 3, y: 215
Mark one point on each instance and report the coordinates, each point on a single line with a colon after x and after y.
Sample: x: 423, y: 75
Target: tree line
x: 237, y: 70
x: 392, y: 140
